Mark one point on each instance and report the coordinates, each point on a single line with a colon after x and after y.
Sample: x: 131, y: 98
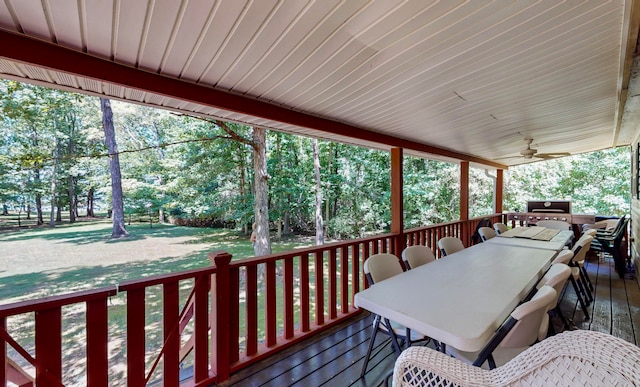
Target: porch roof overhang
x: 455, y: 80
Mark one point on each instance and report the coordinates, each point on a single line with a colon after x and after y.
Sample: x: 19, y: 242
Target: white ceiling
x: 475, y: 77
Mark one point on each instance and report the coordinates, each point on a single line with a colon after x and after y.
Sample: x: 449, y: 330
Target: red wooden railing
x: 236, y: 312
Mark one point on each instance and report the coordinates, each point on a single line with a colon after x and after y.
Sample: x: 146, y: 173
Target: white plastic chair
x: 556, y: 277
x: 450, y: 245
x: 377, y: 268
x: 486, y: 233
x: 500, y: 228
x: 566, y: 257
x: 580, y: 250
x: 414, y: 256
x: 527, y: 324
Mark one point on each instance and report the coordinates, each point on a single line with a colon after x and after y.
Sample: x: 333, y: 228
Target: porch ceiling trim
x: 40, y: 53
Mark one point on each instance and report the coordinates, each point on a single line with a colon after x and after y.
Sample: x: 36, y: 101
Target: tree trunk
x: 119, y: 229
x: 316, y: 172
x: 90, y: 197
x: 262, y: 245
x: 40, y: 221
x: 72, y: 197
x: 59, y: 209
x: 28, y: 211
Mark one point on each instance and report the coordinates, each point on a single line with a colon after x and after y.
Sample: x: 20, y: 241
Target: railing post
x: 3, y: 355
x: 220, y: 311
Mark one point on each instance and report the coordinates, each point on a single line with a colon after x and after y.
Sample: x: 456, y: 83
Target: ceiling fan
x: 529, y: 152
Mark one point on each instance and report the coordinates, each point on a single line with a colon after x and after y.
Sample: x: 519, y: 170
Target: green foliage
x: 192, y: 169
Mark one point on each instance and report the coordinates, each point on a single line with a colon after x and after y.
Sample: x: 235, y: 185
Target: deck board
x: 335, y: 358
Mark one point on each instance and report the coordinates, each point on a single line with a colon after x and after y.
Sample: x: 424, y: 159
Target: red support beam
x: 43, y: 54
x: 499, y: 190
x: 464, y: 190
x: 397, y: 207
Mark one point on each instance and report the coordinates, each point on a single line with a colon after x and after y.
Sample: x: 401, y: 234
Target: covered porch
x: 335, y: 357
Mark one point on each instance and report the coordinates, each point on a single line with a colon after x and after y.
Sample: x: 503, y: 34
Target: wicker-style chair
x: 572, y: 358
x: 417, y: 255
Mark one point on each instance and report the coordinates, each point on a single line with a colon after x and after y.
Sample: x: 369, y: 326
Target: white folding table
x: 556, y: 243
x: 461, y: 299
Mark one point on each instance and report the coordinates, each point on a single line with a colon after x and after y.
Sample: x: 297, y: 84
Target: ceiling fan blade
x: 548, y: 156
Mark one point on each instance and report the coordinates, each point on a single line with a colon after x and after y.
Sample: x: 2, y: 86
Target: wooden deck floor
x: 335, y: 358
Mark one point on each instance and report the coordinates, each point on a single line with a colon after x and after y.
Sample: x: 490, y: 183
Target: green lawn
x: 38, y: 262
x: 43, y: 261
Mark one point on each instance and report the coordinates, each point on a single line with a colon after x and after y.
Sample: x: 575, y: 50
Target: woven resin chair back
x: 414, y: 256
x: 572, y: 358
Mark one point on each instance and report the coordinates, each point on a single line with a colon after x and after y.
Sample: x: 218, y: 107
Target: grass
x: 39, y: 262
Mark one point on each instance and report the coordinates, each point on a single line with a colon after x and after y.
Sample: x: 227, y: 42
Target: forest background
x: 197, y: 172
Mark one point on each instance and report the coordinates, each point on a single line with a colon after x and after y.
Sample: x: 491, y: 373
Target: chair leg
x: 585, y: 290
x: 565, y: 323
x: 582, y: 304
x: 586, y: 276
x: 376, y: 322
x: 394, y: 338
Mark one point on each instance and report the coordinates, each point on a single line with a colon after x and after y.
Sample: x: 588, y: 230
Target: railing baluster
x: 170, y: 316
x: 251, y: 296
x: 201, y: 328
x: 234, y: 314
x: 135, y: 337
x: 97, y: 339
x: 319, y: 269
x: 288, y: 298
x: 355, y: 270
x: 333, y: 284
x: 49, y: 347
x: 271, y: 305
x: 304, y: 292
x: 344, y: 279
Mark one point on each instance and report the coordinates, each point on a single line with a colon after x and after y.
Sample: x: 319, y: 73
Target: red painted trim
x: 333, y: 284
x: 319, y: 284
x: 304, y: 292
x: 3, y: 353
x: 271, y: 304
x: 97, y: 339
x: 39, y: 53
x: 499, y: 190
x: 135, y: 338
x: 234, y: 314
x: 288, y: 298
x: 252, y: 310
x: 344, y: 279
x: 46, y: 303
x: 201, y: 328
x: 170, y: 322
x: 464, y: 190
x: 49, y: 347
x: 220, y: 363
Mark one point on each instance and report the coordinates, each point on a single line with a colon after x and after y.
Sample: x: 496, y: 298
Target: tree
x: 316, y: 172
x: 119, y: 229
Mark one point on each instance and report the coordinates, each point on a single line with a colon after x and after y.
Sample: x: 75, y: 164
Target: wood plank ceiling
x: 472, y: 77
